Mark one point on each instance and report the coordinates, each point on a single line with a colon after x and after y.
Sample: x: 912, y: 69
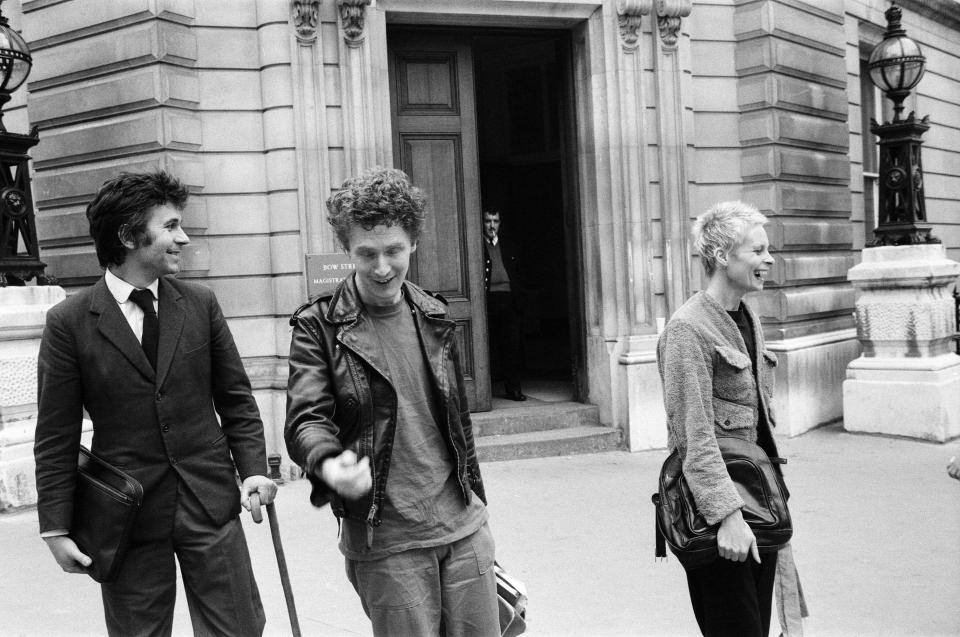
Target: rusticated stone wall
x: 791, y: 79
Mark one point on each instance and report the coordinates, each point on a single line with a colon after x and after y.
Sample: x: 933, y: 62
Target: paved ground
x: 877, y: 543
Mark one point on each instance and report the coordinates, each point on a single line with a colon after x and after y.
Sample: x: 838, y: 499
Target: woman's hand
x: 735, y: 539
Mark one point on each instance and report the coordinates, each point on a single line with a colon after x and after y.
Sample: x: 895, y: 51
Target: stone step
x: 545, y: 443
x: 534, y: 416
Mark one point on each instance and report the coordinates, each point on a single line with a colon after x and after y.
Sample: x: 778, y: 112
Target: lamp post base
x: 907, y: 382
x: 917, y: 399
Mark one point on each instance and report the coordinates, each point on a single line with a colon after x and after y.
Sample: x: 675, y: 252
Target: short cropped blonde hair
x: 718, y: 231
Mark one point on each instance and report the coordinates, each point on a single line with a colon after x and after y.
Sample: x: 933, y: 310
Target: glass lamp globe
x: 896, y: 64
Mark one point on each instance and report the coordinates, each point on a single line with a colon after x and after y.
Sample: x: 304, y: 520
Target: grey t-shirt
x: 423, y: 505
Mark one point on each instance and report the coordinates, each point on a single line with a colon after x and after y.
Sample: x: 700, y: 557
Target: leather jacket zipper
x: 370, y: 518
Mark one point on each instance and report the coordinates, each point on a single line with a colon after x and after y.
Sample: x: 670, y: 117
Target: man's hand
x: 735, y: 539
x: 68, y: 556
x: 257, y: 484
x: 953, y: 468
x: 346, y: 475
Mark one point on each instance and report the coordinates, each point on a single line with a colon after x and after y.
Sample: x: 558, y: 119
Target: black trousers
x: 504, y: 325
x: 217, y: 575
x: 733, y: 599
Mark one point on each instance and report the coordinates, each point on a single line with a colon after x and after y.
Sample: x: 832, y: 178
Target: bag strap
x: 660, y: 549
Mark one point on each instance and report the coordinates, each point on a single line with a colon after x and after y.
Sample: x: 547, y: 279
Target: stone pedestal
x: 22, y: 313
x: 907, y: 381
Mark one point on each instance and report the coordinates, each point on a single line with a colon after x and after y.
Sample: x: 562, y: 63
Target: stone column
x: 907, y: 381
x: 22, y: 314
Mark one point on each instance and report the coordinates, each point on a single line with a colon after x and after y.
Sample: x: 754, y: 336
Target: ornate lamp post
x: 19, y: 248
x: 896, y: 66
x: 907, y: 380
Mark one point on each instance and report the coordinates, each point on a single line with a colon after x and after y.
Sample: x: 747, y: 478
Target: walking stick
x: 281, y: 560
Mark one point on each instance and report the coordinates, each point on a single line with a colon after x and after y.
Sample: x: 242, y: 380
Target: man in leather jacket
x: 377, y: 417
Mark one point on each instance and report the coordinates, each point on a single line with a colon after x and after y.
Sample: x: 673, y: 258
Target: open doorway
x: 523, y: 125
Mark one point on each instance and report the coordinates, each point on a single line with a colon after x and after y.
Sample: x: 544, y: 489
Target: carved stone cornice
x: 629, y: 15
x: 306, y: 17
x: 351, y: 17
x: 669, y: 13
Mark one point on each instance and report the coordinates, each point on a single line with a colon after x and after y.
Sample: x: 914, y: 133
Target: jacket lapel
x: 114, y: 327
x: 172, y: 316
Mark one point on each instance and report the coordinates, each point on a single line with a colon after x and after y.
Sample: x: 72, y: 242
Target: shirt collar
x: 121, y: 290
x: 495, y: 240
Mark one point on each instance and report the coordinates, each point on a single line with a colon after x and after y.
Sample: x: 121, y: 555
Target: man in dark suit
x: 501, y: 280
x: 152, y: 361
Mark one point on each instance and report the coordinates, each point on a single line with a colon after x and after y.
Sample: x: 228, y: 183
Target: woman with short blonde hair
x: 718, y: 379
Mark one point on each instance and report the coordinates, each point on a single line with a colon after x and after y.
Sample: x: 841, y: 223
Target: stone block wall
x: 203, y: 90
x: 791, y: 78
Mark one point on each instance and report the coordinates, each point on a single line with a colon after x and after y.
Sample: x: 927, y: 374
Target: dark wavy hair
x: 378, y: 196
x: 120, y: 210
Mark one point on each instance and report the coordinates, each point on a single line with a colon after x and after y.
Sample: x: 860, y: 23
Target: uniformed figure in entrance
x: 377, y: 417
x: 501, y: 278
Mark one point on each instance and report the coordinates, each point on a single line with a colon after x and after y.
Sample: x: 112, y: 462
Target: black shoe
x: 516, y: 395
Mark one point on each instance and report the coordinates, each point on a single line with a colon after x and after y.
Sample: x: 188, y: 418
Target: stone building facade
x: 602, y: 127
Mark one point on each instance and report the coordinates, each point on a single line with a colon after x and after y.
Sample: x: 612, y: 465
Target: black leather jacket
x: 337, y: 397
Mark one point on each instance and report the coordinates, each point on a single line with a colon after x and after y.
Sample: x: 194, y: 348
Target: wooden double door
x: 519, y: 157
x: 435, y: 143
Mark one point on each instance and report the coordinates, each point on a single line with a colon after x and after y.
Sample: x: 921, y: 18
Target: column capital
x: 669, y: 14
x: 351, y: 18
x: 306, y: 17
x: 629, y: 15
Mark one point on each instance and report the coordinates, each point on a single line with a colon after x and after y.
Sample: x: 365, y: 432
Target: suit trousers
x: 221, y: 592
x: 448, y: 590
x: 504, y: 325
x: 733, y: 599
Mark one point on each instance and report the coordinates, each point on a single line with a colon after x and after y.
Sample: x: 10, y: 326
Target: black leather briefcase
x: 105, y: 506
x: 760, y: 485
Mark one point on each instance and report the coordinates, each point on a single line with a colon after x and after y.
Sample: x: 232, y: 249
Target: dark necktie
x: 151, y: 326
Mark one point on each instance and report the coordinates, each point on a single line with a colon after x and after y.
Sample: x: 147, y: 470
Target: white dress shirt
x: 121, y: 290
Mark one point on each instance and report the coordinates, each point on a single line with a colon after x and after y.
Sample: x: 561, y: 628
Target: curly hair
x: 378, y: 196
x: 717, y: 231
x: 121, y: 209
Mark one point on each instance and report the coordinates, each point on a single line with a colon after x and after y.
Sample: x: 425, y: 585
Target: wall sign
x: 325, y: 271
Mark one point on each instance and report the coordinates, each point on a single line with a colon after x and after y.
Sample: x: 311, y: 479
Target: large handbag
x: 105, y: 506
x: 512, y: 602
x: 760, y: 485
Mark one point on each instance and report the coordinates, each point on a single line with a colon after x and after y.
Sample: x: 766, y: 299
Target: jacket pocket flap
x: 730, y: 415
x: 733, y: 357
x: 770, y: 356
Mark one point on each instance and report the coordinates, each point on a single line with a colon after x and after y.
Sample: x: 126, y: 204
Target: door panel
x: 435, y: 142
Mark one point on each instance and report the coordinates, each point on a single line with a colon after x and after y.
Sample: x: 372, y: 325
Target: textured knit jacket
x: 709, y: 389
x: 339, y: 394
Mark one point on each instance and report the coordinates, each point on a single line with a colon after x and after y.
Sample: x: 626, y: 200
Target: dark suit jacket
x: 156, y: 426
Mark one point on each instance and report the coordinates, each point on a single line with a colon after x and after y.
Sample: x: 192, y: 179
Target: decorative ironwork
x: 306, y: 18
x: 896, y: 66
x: 19, y: 247
x: 669, y: 15
x: 15, y: 63
x: 902, y: 203
x: 629, y: 16
x: 351, y: 17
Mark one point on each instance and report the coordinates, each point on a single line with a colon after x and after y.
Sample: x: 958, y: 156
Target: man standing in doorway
x: 501, y: 280
x: 377, y: 416
x: 152, y: 361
